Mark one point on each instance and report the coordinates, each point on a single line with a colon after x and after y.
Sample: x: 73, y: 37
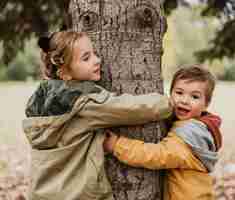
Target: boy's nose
x: 184, y: 100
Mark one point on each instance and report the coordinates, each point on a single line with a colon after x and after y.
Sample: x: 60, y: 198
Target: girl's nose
x: 97, y: 60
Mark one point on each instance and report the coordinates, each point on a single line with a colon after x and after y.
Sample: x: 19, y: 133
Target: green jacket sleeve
x: 107, y: 109
x: 93, y: 111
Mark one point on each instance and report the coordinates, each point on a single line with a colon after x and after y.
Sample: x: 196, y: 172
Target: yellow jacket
x: 187, y: 177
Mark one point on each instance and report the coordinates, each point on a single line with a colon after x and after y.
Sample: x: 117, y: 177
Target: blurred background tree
x: 20, y: 20
x: 198, y: 31
x: 221, y: 45
x: 201, y: 31
x: 188, y: 33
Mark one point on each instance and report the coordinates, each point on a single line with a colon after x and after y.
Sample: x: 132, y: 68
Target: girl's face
x: 85, y: 63
x: 189, y: 99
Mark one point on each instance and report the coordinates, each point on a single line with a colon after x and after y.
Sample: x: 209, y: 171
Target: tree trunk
x: 128, y: 35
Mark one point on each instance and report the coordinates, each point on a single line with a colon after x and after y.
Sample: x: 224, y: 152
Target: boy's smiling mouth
x: 182, y: 111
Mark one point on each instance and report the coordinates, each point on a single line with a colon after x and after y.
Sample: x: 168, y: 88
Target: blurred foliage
x: 170, y: 5
x: 187, y: 33
x: 25, y: 65
x: 19, y: 20
x: 229, y: 74
x: 221, y: 45
x: 17, y: 69
x: 216, y: 7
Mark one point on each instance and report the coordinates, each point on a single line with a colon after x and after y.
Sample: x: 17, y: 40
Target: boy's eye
x: 195, y: 97
x: 179, y: 92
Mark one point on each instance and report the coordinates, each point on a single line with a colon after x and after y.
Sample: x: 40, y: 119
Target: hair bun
x: 44, y: 42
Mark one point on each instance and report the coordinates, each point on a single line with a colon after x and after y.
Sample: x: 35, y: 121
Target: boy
x: 190, y: 149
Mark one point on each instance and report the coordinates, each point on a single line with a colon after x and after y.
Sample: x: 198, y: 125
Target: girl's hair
x: 57, y: 51
x: 196, y: 73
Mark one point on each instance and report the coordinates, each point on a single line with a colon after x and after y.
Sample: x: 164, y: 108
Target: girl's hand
x: 172, y: 103
x: 110, y: 141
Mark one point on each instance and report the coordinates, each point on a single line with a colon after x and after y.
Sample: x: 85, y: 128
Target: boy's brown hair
x: 196, y: 73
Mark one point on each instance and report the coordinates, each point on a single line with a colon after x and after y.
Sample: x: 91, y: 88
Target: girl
x: 65, y: 116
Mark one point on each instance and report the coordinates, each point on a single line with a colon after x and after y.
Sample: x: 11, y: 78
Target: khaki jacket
x: 67, y: 152
x: 187, y: 175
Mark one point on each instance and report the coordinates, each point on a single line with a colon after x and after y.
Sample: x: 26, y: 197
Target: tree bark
x: 128, y: 36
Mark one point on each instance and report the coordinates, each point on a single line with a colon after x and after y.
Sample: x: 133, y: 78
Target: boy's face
x: 189, y: 98
x: 85, y: 63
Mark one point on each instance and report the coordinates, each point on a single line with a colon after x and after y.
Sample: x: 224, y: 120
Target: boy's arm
x: 171, y: 152
x: 125, y: 109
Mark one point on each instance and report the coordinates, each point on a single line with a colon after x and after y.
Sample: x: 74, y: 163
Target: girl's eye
x: 86, y: 58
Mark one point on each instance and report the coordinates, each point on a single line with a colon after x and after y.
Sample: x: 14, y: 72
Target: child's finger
x: 171, y: 101
x: 109, y: 133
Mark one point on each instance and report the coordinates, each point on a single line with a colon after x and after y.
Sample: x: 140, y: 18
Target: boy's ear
x: 206, y: 106
x: 208, y: 103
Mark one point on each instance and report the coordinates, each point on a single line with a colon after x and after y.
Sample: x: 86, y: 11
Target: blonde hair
x: 196, y: 73
x: 57, y: 51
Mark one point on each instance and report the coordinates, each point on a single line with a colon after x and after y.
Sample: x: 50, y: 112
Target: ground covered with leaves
x: 14, y: 170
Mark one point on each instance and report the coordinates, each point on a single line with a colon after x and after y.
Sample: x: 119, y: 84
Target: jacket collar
x: 56, y: 97
x: 213, y: 123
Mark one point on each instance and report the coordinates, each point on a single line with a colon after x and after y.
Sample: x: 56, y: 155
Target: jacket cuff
x: 123, y: 147
x: 165, y: 108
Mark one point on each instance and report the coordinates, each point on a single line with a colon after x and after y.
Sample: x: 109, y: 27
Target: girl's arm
x: 108, y: 110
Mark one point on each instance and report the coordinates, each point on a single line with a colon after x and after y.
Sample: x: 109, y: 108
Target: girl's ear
x: 63, y: 74
x: 66, y: 78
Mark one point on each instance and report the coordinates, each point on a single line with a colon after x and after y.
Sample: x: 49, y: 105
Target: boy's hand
x: 110, y: 141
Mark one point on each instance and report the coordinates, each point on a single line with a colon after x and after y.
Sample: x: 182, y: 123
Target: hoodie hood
x: 53, y: 104
x: 203, y: 136
x: 213, y: 123
x: 57, y: 97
